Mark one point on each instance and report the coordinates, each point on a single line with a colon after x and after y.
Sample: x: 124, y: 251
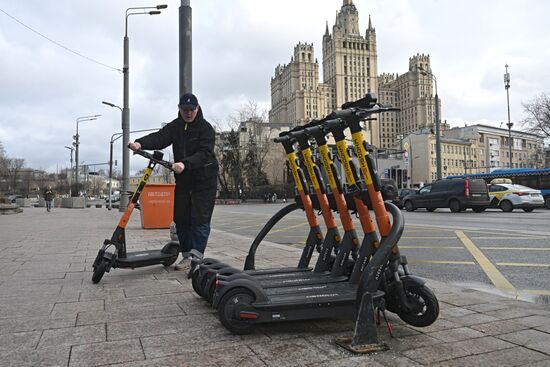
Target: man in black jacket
x: 196, y: 172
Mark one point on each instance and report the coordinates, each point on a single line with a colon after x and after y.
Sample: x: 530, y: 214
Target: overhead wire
x: 59, y: 44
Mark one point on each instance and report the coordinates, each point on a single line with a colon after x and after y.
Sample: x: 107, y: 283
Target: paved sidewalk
x: 51, y: 314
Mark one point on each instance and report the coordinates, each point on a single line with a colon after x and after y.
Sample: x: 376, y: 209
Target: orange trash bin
x: 157, y: 205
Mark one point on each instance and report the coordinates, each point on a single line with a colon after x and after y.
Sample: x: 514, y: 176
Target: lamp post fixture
x: 126, y: 109
x: 509, y: 124
x: 437, y: 124
x: 77, y: 141
x: 68, y: 176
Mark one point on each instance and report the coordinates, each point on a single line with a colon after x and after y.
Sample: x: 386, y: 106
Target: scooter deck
x: 139, y: 259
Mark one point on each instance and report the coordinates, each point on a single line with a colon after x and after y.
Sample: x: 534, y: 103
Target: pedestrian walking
x: 48, y: 197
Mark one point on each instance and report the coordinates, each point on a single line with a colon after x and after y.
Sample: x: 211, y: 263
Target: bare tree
x: 538, y: 115
x: 14, y: 168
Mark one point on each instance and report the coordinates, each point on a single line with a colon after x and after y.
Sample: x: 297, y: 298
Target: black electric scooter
x: 119, y: 258
x: 243, y: 303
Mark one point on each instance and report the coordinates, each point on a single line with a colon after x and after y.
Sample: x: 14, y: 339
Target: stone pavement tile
x: 289, y: 330
x: 148, y: 301
x: 334, y: 325
x: 501, y: 358
x: 472, y: 319
x: 294, y: 352
x: 109, y: 295
x: 25, y: 309
x: 454, y: 335
x: 100, y: 316
x: 526, y: 337
x: 393, y: 359
x: 14, y: 325
x: 483, y: 307
x: 450, y: 312
x: 359, y: 361
x: 438, y: 325
x: 98, y: 354
x: 76, y: 307
x: 459, y: 299
x: 240, y: 356
x: 510, y: 313
x: 28, y: 339
x: 441, y: 352
x: 37, y: 275
x: 534, y: 321
x: 150, y: 327
x: 408, y: 342
x: 545, y: 328
x: 499, y: 327
x: 46, y: 357
x: 67, y: 296
x: 543, y: 363
x: 73, y: 336
x: 196, y: 340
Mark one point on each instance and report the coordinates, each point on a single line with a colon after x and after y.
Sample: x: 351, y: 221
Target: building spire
x: 370, y: 23
x: 326, y: 29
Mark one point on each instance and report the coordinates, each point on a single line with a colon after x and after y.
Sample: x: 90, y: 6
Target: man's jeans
x: 48, y: 205
x: 193, y: 238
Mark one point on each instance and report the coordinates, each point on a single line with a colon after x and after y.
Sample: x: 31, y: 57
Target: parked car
x: 388, y: 189
x: 401, y: 194
x: 508, y: 196
x: 457, y: 194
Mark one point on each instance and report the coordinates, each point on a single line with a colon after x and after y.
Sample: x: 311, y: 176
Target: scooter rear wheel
x: 171, y: 248
x: 425, y: 306
x: 229, y: 307
x: 99, y: 270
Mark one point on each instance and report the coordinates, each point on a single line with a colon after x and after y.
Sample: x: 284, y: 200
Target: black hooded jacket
x: 193, y: 145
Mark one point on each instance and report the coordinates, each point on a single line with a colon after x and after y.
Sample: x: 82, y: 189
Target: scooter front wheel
x: 99, y: 270
x: 425, y: 307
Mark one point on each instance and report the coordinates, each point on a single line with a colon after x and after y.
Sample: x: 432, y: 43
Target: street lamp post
x: 437, y: 124
x: 77, y: 142
x: 509, y: 124
x: 68, y: 176
x: 126, y: 108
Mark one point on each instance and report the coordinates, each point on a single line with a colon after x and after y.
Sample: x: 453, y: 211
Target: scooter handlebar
x: 155, y: 157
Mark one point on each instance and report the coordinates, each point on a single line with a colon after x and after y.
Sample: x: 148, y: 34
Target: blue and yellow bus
x: 531, y: 177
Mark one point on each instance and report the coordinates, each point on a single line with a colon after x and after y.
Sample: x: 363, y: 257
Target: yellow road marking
x: 284, y: 229
x: 525, y: 264
x: 509, y: 238
x: 517, y: 248
x: 434, y: 247
x: 487, y: 266
x: 427, y: 238
x: 443, y: 262
x: 245, y: 227
x: 535, y: 291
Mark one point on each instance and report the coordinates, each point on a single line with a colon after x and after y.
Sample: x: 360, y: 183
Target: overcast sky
x: 236, y: 46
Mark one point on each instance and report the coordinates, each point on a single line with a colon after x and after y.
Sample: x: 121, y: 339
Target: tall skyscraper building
x: 350, y: 70
x: 412, y: 92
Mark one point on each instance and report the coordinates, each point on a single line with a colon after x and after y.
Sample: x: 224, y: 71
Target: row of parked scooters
x: 347, y: 267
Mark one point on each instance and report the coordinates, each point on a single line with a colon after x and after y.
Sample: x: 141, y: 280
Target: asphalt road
x: 506, y: 253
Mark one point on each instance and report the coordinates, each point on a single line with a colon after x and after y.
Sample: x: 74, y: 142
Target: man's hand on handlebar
x: 178, y: 167
x: 134, y: 146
